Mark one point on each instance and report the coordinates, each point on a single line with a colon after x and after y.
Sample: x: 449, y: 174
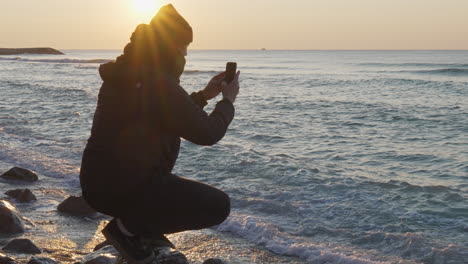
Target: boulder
x: 10, y: 219
x: 105, y: 255
x: 22, y: 245
x: 17, y: 173
x: 4, y: 259
x: 42, y: 260
x: 166, y: 255
x: 76, y: 206
x: 22, y: 195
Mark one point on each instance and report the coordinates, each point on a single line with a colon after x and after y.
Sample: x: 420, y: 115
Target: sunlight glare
x: 147, y: 8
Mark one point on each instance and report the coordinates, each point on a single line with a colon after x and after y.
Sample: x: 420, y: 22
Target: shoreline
x: 69, y: 239
x: 389, y: 194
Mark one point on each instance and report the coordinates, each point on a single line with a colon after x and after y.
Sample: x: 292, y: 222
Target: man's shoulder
x: 165, y: 79
x: 167, y: 84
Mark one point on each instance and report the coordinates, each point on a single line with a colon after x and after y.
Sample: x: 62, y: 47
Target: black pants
x: 164, y: 205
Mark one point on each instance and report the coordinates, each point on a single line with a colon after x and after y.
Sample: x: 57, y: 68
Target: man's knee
x: 223, y: 208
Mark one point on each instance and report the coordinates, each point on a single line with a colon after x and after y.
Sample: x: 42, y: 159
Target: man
x: 142, y: 112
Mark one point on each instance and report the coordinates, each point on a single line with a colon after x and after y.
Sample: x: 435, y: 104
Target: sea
x: 332, y: 157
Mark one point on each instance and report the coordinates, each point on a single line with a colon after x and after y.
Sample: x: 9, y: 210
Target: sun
x: 146, y: 7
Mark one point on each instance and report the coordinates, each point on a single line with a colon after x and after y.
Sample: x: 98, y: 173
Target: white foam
x: 265, y: 234
x: 40, y: 163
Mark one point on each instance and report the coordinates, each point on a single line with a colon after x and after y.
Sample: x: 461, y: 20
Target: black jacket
x: 137, y: 128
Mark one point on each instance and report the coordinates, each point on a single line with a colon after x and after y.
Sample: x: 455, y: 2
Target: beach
x: 68, y: 238
x: 332, y: 157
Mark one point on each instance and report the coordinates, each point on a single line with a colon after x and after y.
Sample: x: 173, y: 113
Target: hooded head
x: 170, y: 25
x: 156, y: 46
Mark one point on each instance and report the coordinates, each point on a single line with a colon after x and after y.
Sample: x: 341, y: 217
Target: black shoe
x: 164, y: 250
x: 130, y: 247
x: 159, y: 241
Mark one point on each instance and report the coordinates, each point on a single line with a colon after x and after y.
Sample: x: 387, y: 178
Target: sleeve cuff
x: 227, y: 110
x: 199, y: 99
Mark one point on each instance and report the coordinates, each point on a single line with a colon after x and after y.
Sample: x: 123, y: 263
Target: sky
x: 242, y: 24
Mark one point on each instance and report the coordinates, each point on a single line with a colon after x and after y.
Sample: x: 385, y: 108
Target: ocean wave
x: 444, y: 71
x: 50, y: 90
x: 412, y: 246
x: 87, y: 67
x: 42, y: 164
x: 193, y: 72
x: 416, y: 80
x: 414, y: 157
x: 91, y: 61
x: 365, y: 247
x: 447, y: 65
x: 448, y: 195
x: 267, y: 138
x: 66, y: 60
x: 266, y: 206
x: 265, y: 234
x: 441, y: 71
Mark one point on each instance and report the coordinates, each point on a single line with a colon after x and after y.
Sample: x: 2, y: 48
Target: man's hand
x: 214, y: 86
x: 231, y: 90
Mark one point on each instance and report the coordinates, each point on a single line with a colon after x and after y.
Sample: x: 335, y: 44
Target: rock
x: 76, y: 206
x: 100, y: 260
x: 30, y: 51
x: 42, y: 260
x: 10, y: 219
x: 4, y: 259
x: 22, y: 245
x: 8, y: 260
x: 22, y: 195
x: 214, y: 261
x: 17, y: 173
x: 168, y: 256
x: 105, y: 255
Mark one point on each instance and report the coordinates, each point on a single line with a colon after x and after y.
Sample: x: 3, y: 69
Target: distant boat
x: 262, y: 49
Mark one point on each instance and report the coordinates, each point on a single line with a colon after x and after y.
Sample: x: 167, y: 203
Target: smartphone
x: 231, y: 68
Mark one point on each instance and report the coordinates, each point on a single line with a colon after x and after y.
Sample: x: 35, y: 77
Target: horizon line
x: 266, y: 49
x: 252, y: 49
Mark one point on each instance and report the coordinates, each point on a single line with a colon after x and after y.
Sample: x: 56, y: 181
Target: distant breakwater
x: 4, y: 51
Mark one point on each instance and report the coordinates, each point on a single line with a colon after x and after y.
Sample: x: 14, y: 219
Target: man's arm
x: 183, y: 117
x: 199, y: 99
